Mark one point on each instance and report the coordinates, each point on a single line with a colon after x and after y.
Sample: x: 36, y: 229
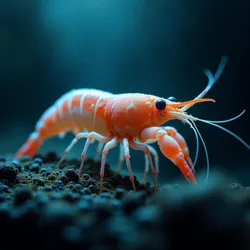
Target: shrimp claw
x: 170, y: 149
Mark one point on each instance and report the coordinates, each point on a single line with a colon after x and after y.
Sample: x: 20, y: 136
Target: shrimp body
x: 132, y: 119
x: 75, y: 111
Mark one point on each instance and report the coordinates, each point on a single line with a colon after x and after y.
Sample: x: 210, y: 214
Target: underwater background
x: 158, y: 47
x: 155, y: 47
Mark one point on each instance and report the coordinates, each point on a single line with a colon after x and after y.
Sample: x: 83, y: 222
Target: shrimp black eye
x: 160, y: 104
x: 172, y: 99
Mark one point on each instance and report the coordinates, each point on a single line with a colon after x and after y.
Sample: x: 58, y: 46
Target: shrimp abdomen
x: 75, y: 111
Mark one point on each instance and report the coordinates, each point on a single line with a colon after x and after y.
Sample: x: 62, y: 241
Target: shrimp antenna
x: 213, y: 123
x: 205, y: 148
x: 197, y: 135
x: 212, y: 79
x: 228, y: 131
x: 197, y: 143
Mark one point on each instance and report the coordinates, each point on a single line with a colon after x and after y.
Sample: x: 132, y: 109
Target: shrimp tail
x: 30, y: 147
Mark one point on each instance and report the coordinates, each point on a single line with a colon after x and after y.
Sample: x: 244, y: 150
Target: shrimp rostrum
x: 132, y: 120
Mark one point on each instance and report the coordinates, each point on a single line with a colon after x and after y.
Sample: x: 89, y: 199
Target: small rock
x: 59, y: 183
x: 54, y: 186
x: 64, y: 179
x: 92, y: 188
x: 39, y: 181
x: 8, y: 171
x: 4, y: 188
x: 77, y: 187
x: 21, y: 195
x: 2, y: 197
x: 51, y: 176
x: 34, y: 167
x: 48, y: 188
x: 38, y: 161
x: 86, y: 191
x: 24, y: 159
x: 105, y: 195
x: 87, y: 198
x: 43, y: 170
x: 16, y: 165
x: 119, y: 193
x: 71, y: 197
x: 72, y: 175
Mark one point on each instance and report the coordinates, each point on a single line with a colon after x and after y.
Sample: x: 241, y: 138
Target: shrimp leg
x: 127, y: 156
x: 71, y: 145
x: 146, y: 168
x: 145, y: 148
x: 92, y: 136
x: 156, y: 162
x: 109, y: 145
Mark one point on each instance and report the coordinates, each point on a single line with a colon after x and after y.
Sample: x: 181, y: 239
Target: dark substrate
x: 46, y: 208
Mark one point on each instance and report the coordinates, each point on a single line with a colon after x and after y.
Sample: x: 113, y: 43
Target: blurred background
x: 160, y: 47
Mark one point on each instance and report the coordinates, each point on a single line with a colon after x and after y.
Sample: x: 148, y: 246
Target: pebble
x: 4, y: 188
x: 38, y: 161
x: 8, y: 171
x: 86, y: 191
x: 21, y: 195
x: 24, y: 159
x: 34, y: 167
x: 64, y: 179
x: 71, y: 197
x: 119, y: 193
x: 43, y: 170
x: 59, y: 183
x: 48, y: 188
x: 72, y: 175
x: 105, y: 195
x: 77, y: 187
x: 92, y: 188
x: 39, y: 181
x: 17, y: 165
x: 2, y: 197
x: 87, y: 198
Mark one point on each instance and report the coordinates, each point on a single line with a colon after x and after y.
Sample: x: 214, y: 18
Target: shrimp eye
x: 172, y: 99
x: 160, y: 104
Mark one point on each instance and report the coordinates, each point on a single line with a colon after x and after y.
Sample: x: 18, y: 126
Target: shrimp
x: 133, y: 120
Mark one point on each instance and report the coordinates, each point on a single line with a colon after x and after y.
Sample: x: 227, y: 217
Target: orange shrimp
x: 134, y: 120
